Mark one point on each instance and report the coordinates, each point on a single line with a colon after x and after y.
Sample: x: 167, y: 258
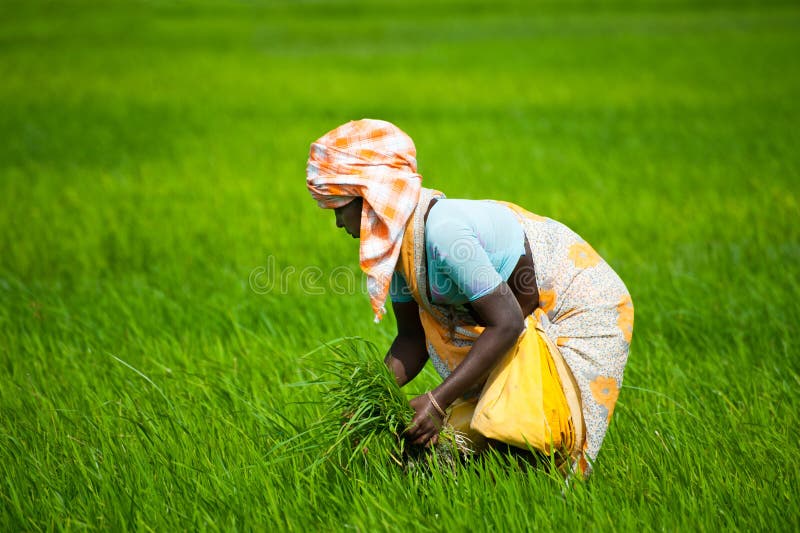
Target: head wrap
x: 375, y: 160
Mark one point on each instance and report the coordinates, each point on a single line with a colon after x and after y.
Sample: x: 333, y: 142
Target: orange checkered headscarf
x: 375, y: 160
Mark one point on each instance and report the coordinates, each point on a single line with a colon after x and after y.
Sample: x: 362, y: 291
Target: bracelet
x: 436, y: 405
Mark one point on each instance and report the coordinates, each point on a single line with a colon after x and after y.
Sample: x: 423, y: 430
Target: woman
x: 482, y: 288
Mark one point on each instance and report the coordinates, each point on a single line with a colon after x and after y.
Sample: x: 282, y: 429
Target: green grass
x: 153, y: 157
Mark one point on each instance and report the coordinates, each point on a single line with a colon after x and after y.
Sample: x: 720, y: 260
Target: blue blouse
x: 472, y: 247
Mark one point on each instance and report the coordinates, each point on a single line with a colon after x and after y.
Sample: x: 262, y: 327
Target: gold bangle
x: 436, y: 405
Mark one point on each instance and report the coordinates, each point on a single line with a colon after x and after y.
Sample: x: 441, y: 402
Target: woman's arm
x: 502, y: 315
x: 408, y: 352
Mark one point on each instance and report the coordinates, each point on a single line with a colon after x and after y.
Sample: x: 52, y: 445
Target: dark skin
x: 349, y: 217
x: 501, y: 312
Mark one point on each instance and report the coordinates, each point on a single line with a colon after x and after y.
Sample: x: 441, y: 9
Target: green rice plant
x: 365, y: 414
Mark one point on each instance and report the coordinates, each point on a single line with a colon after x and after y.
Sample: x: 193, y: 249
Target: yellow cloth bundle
x: 523, y: 402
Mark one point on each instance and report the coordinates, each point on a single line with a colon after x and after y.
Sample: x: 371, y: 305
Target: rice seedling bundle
x: 365, y: 414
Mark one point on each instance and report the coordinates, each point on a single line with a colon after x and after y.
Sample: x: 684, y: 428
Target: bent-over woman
x: 526, y: 324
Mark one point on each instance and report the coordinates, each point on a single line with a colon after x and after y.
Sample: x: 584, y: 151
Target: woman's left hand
x: 426, y: 424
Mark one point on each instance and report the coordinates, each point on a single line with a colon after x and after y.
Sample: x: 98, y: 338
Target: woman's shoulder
x: 446, y: 216
x: 449, y: 223
x: 454, y: 211
x: 457, y: 213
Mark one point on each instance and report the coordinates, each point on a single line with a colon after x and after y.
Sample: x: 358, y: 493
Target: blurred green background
x: 153, y: 159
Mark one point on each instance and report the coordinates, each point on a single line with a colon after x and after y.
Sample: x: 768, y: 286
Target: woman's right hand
x: 426, y: 424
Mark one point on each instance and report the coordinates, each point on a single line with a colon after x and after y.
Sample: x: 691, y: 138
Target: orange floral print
x: 583, y: 255
x: 625, y: 318
x: 547, y: 299
x: 583, y: 466
x: 605, y: 392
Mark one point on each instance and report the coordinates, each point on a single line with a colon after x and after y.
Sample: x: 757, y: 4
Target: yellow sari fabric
x: 523, y: 402
x: 530, y: 398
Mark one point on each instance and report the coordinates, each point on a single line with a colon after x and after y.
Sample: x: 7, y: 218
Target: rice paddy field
x: 167, y: 286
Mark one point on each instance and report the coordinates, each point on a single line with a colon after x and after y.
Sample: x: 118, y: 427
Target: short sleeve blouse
x: 472, y: 247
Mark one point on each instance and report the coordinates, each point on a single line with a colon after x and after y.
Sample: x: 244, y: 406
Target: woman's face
x: 349, y: 217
